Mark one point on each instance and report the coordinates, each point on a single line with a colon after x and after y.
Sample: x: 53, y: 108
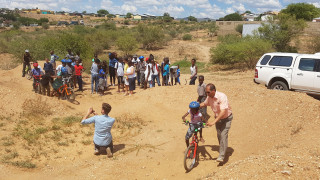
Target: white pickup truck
x: 289, y: 71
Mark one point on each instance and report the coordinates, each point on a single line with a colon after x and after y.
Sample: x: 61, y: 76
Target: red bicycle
x: 36, y: 84
x: 191, y: 155
x: 66, y: 91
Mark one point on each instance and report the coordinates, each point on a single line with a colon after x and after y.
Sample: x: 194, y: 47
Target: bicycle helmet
x: 141, y: 57
x: 194, y: 104
x: 68, y: 61
x: 64, y: 60
x: 35, y: 64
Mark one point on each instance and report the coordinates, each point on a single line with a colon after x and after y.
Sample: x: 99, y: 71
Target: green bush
x: 126, y: 22
x: 127, y: 44
x: 151, y: 37
x: 245, y: 51
x: 187, y: 37
x: 45, y: 25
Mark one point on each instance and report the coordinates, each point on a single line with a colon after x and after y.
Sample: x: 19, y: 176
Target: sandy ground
x: 273, y: 135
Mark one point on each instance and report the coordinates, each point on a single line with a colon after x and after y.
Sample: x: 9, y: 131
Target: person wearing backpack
x: 119, y: 68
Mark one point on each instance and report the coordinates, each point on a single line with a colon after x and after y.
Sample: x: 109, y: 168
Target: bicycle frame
x: 194, y: 143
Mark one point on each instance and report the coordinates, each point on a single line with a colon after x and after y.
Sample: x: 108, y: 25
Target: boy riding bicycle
x: 196, y: 117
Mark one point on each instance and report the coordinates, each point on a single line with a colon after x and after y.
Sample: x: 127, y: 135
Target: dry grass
x: 35, y: 108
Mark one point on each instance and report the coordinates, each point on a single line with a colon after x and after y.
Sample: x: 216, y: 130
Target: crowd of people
x: 128, y: 72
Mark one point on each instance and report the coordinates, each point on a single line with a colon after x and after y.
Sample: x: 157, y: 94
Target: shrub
x: 45, y: 25
x: 126, y: 22
x: 187, y: 37
x: 239, y: 28
x: 245, y: 51
x: 127, y: 44
x: 151, y: 37
x: 314, y: 45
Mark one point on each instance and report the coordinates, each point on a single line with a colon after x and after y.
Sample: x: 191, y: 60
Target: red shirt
x: 78, y: 69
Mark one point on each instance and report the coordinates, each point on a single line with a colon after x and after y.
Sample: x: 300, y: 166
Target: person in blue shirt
x: 112, y: 61
x: 178, y: 75
x: 36, y: 74
x: 102, y: 138
x: 166, y: 71
x: 102, y: 80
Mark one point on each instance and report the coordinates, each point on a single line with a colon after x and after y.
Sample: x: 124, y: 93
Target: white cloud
x: 230, y: 11
x: 128, y: 8
x: 240, y: 8
x: 65, y: 9
x: 316, y: 4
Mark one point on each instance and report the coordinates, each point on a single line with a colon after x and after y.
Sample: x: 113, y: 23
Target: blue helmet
x: 141, y: 57
x: 64, y: 60
x: 68, y: 61
x: 194, y: 104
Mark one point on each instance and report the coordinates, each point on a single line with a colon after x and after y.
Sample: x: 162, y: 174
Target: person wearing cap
x: 141, y: 69
x: 62, y: 65
x: 26, y: 61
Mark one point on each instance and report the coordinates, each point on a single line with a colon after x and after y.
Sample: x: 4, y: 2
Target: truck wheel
x: 279, y: 85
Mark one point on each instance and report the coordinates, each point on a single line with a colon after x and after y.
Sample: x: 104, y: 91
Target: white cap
x: 26, y: 50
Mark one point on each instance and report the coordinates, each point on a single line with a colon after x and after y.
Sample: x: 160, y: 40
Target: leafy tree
x: 166, y: 17
x: 129, y: 15
x: 249, y: 12
x: 102, y: 12
x: 191, y: 18
x: 111, y: 16
x: 281, y: 30
x: 233, y: 17
x: 84, y: 12
x: 302, y: 11
x: 127, y: 44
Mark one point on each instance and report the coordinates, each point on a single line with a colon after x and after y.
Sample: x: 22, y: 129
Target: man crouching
x: 102, y: 138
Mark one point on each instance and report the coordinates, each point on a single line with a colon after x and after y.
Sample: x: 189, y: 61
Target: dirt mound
x: 273, y: 134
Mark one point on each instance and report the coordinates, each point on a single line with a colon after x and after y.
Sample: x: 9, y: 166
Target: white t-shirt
x: 155, y: 71
x: 146, y: 72
x: 135, y: 61
x: 130, y: 70
x: 119, y: 66
x: 193, y: 71
x: 195, y: 118
x: 59, y: 69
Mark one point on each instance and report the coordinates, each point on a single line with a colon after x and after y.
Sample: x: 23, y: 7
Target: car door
x: 317, y: 76
x: 304, y: 74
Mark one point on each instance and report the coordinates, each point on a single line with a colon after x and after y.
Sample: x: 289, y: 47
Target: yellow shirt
x: 126, y: 66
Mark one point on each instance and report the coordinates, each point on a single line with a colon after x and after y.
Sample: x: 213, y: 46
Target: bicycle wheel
x: 189, y: 158
x: 70, y: 94
x: 38, y: 90
x: 28, y: 75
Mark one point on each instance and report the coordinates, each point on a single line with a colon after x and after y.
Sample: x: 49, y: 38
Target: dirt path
x: 270, y: 129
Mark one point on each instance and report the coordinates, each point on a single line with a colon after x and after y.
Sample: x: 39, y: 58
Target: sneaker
x: 109, y: 153
x: 219, y: 159
x: 96, y: 152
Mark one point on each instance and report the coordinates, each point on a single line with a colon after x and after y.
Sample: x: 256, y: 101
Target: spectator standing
x: 194, y: 71
x: 78, y: 72
x: 26, y: 61
x: 141, y: 68
x: 53, y: 59
x: 94, y: 76
x: 112, y: 62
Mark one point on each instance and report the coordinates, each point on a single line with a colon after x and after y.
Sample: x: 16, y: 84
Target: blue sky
x: 176, y: 8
